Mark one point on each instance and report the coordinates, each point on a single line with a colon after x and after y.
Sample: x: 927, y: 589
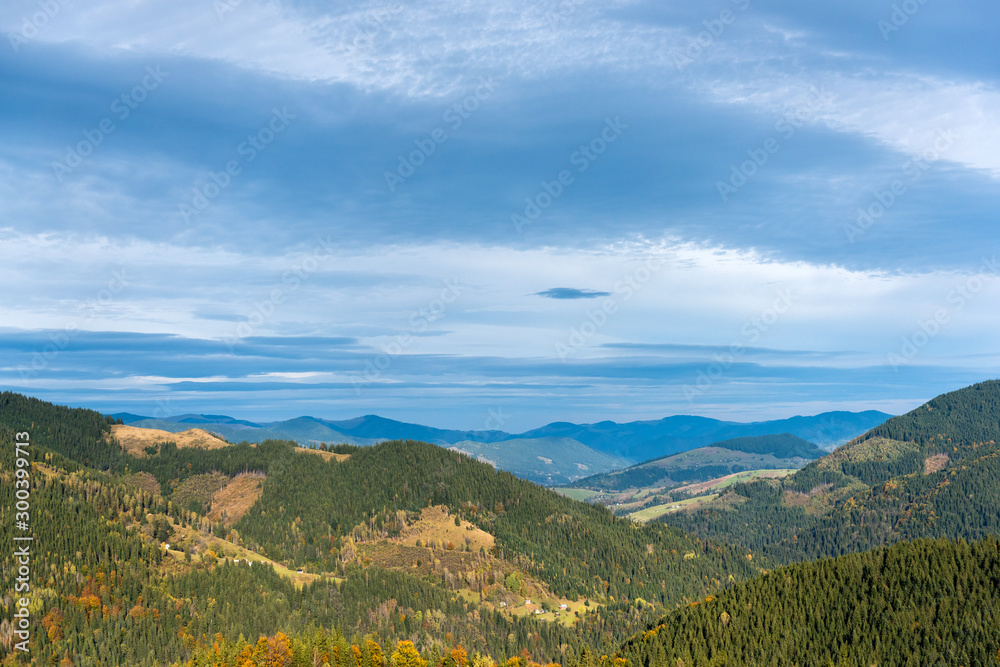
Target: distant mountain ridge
x: 756, y: 452
x: 644, y: 440
x: 600, y: 447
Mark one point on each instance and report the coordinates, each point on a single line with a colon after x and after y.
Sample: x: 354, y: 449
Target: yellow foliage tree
x: 460, y: 657
x: 279, y: 651
x: 406, y: 655
x: 375, y: 651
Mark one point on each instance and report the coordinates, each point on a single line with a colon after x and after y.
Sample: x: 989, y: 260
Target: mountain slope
x: 347, y: 523
x: 380, y: 428
x: 933, y: 472
x: 651, y: 439
x: 304, y: 430
x: 921, y: 603
x: 547, y: 461
x: 577, y: 549
x: 764, y: 452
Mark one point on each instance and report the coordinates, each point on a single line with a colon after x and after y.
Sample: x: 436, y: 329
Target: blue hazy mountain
x: 580, y: 449
x: 646, y: 440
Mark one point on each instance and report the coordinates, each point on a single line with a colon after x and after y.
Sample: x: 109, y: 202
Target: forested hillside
x: 106, y: 588
x: 929, y: 602
x: 933, y: 472
x: 409, y: 554
x: 577, y: 549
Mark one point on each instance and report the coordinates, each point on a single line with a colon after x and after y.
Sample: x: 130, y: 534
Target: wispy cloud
x: 305, y: 266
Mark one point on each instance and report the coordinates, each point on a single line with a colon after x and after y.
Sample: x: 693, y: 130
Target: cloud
x: 571, y: 293
x: 305, y: 267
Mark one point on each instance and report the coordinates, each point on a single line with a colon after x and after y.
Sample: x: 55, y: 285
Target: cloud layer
x: 278, y: 207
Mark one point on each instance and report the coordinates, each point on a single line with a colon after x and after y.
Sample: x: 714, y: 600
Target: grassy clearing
x: 566, y: 617
x: 656, y: 511
x: 135, y: 440
x: 326, y: 456
x: 735, y: 478
x: 582, y: 495
x: 436, y: 526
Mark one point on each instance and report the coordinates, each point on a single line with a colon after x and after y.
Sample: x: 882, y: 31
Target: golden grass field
x: 135, y: 440
x: 437, y: 525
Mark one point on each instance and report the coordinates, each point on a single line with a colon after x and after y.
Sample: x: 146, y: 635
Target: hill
x: 933, y: 472
x: 764, y: 452
x: 303, y: 430
x: 929, y: 602
x: 781, y: 445
x: 363, y: 551
x: 135, y: 440
x: 546, y: 461
x: 645, y: 440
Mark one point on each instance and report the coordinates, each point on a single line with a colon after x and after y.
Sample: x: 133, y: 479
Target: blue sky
x: 441, y: 212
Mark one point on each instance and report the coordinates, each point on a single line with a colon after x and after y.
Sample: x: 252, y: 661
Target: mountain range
x: 407, y: 554
x: 555, y: 454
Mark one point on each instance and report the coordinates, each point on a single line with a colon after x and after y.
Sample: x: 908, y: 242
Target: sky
x: 498, y: 214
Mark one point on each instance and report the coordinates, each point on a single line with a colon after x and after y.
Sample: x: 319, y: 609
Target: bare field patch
x: 232, y: 501
x: 935, y: 463
x: 326, y: 456
x: 437, y: 526
x: 135, y: 440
